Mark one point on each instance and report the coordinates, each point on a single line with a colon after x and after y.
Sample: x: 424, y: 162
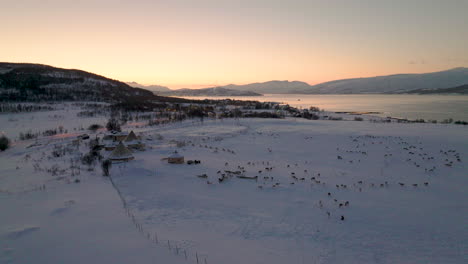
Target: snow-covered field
x: 324, y: 192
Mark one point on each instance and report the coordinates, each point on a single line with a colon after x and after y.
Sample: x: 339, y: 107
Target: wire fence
x: 172, y: 246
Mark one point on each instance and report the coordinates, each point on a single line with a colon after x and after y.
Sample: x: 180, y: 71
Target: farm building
x: 133, y: 142
x: 115, y: 136
x: 175, y: 158
x: 109, y: 144
x: 121, y: 153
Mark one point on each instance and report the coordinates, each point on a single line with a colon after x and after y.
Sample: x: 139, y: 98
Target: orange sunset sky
x: 202, y: 43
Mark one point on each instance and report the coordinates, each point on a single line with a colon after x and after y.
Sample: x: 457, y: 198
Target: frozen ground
x: 235, y: 221
x: 279, y: 217
x: 65, y: 115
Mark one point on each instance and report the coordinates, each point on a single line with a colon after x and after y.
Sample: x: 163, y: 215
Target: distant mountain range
x: 37, y: 82
x: 462, y: 89
x: 399, y: 83
x: 154, y: 88
x: 215, y: 91
x: 271, y: 87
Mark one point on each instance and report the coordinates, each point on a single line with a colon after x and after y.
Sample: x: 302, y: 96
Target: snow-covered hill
x: 216, y: 91
x: 153, y: 87
x: 270, y: 87
x: 34, y: 82
x: 462, y: 89
x: 399, y: 83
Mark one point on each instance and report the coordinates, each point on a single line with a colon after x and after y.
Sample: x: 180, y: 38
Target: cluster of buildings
x: 121, y: 144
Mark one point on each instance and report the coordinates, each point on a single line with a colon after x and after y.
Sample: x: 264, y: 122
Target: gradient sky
x: 199, y: 43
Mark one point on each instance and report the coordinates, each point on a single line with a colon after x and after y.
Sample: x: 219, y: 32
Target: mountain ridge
x: 152, y: 87
x: 462, y: 89
x: 214, y: 91
x: 394, y: 83
x: 274, y: 86
x: 40, y: 82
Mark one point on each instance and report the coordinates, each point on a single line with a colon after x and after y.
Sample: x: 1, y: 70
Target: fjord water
x: 429, y: 107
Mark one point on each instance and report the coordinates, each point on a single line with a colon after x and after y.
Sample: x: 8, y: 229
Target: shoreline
x: 411, y: 107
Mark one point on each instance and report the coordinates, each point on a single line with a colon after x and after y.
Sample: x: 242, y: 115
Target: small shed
x: 115, y: 136
x: 133, y: 142
x: 121, y: 153
x: 109, y: 145
x: 131, y: 137
x: 175, y: 158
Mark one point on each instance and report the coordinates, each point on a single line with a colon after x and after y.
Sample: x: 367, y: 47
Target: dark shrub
x: 88, y: 159
x: 27, y: 135
x: 106, y: 165
x: 314, y: 109
x: 447, y: 121
x: 49, y: 132
x: 94, y: 127
x: 113, y: 125
x: 4, y: 143
x: 312, y: 116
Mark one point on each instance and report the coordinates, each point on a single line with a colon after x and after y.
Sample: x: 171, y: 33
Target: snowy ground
x: 277, y: 218
x: 65, y: 115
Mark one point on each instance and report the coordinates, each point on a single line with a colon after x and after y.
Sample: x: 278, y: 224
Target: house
x: 131, y: 136
x: 175, y: 158
x: 133, y: 142
x: 109, y: 144
x: 115, y: 136
x: 112, y: 139
x: 121, y: 153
